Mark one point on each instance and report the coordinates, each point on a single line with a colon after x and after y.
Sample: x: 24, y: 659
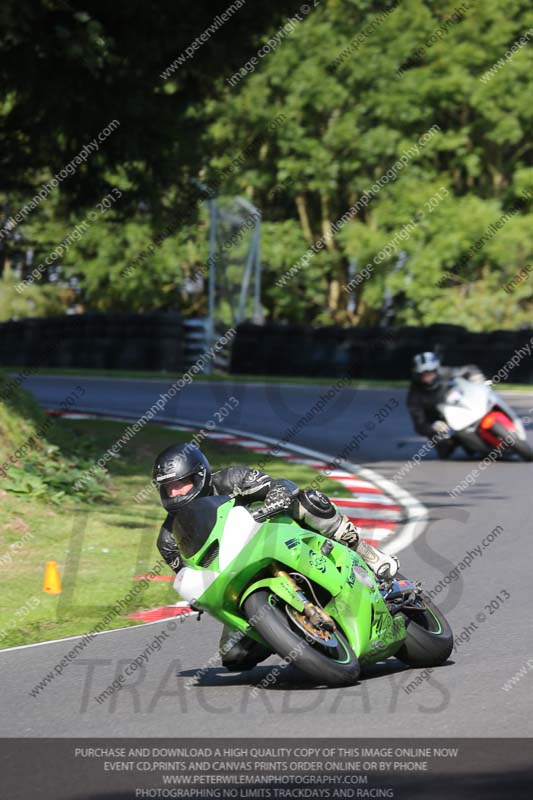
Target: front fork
x: 315, y: 614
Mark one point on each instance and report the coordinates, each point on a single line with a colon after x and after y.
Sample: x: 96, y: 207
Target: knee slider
x: 316, y: 503
x: 317, y: 511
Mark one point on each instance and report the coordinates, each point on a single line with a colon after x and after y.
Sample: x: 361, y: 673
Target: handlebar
x: 266, y: 512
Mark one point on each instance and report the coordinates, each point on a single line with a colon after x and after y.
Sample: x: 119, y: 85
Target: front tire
x: 273, y: 624
x: 429, y: 638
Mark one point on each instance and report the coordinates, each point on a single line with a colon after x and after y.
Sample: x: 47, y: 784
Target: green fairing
x: 359, y: 610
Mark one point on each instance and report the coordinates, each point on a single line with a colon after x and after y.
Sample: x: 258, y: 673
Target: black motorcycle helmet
x: 181, y: 472
x: 426, y: 370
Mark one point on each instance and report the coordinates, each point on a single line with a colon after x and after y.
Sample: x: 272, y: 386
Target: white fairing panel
x: 192, y: 583
x: 466, y: 404
x: 239, y: 529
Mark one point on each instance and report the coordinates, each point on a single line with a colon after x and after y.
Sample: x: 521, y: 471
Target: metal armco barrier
x: 378, y: 353
x: 165, y: 341
x: 99, y: 341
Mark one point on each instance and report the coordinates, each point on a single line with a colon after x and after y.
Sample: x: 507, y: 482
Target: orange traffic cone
x: 52, y: 582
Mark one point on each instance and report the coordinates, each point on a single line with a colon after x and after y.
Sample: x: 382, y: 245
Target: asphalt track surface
x: 166, y: 698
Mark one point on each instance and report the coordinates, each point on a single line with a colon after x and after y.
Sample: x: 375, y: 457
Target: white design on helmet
x: 426, y: 362
x: 168, y: 475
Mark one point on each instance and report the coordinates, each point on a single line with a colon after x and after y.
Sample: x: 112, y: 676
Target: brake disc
x: 314, y: 635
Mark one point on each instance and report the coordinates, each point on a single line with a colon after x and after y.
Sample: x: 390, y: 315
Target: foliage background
x: 70, y: 68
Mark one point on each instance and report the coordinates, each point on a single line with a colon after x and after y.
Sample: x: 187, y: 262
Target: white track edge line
x: 98, y: 633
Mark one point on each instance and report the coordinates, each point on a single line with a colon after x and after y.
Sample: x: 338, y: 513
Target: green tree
x: 349, y: 115
x: 303, y: 134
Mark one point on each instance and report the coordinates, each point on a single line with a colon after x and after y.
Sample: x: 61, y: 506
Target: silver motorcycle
x: 481, y: 421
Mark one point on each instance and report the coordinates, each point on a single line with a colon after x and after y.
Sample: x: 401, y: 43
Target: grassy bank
x: 100, y: 541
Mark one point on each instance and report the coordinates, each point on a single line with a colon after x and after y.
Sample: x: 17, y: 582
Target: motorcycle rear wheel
x: 517, y: 445
x: 429, y: 638
x: 268, y: 617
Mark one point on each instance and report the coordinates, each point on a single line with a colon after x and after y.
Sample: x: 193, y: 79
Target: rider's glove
x: 279, y: 498
x: 441, y: 427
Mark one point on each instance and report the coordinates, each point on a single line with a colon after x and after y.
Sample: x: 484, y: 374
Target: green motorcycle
x: 308, y: 598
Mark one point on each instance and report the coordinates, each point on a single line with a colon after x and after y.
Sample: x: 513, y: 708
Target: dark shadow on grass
x: 140, y: 525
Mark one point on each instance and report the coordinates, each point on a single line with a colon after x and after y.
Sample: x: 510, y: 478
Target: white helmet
x: 426, y: 368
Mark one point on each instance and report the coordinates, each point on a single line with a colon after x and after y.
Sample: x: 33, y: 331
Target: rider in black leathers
x: 183, y: 473
x: 429, y: 384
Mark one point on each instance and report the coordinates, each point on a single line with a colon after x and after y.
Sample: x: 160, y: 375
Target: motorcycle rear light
x: 486, y: 426
x: 488, y: 421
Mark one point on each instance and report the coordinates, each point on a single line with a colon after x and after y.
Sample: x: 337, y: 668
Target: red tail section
x: 487, y: 423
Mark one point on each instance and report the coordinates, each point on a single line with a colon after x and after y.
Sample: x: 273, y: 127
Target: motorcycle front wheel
x: 331, y: 662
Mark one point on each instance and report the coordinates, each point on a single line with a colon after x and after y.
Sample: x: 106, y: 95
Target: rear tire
x: 273, y: 624
x: 517, y: 445
x: 429, y: 638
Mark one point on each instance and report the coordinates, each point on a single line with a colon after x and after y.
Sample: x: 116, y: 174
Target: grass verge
x: 214, y: 376
x: 101, y: 545
x: 237, y: 378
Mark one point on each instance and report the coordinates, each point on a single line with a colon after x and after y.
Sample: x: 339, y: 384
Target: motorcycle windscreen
x: 194, y: 522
